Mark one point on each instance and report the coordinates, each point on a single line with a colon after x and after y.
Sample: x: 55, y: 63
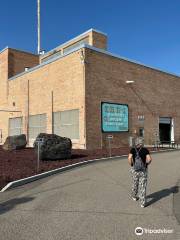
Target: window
x: 37, y: 124
x: 141, y: 132
x: 66, y: 124
x: 15, y: 126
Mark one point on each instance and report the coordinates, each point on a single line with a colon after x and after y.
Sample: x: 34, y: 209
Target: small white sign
x: 110, y: 136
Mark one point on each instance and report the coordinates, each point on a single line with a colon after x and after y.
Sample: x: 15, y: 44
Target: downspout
x: 27, y: 113
x: 82, y: 57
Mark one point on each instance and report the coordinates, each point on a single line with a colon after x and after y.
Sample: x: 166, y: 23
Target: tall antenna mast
x: 38, y: 27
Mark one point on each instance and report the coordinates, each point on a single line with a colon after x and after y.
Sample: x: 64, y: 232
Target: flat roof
x: 19, y: 50
x: 132, y: 61
x: 95, y: 49
x: 3, y: 49
x: 79, y: 47
x: 73, y: 39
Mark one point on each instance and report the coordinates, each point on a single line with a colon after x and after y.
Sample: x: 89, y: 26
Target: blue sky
x: 145, y: 31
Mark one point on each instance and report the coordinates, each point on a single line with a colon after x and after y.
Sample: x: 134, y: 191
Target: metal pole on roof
x: 38, y: 26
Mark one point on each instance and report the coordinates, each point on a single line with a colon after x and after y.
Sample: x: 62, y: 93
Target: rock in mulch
x: 53, y: 147
x: 15, y: 142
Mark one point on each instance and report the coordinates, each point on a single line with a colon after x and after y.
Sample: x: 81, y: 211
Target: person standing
x: 139, y: 158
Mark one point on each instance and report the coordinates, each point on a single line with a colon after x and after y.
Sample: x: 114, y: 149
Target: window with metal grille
x: 66, y: 123
x: 141, y: 132
x: 15, y: 126
x: 37, y: 124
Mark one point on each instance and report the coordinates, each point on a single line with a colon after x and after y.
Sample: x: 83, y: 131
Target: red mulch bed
x: 19, y: 164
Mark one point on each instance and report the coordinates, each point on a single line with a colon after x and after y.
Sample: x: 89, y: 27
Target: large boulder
x: 53, y: 147
x: 15, y: 142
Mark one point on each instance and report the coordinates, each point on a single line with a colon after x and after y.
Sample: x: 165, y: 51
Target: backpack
x: 138, y: 164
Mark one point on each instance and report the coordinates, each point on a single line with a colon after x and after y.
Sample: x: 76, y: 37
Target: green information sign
x: 114, y: 117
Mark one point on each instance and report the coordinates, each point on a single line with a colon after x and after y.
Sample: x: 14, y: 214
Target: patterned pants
x: 139, y: 183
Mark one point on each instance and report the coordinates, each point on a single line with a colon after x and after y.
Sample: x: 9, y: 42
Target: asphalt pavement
x: 92, y: 203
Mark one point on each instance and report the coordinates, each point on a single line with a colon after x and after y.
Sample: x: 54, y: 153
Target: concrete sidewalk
x: 92, y: 203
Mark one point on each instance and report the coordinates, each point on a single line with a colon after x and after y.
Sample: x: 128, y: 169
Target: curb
x: 165, y: 150
x: 63, y: 169
x: 54, y: 171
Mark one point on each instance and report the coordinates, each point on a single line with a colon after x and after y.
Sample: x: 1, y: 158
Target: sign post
x: 109, y: 137
x: 114, y: 119
x: 0, y: 135
x: 39, y: 141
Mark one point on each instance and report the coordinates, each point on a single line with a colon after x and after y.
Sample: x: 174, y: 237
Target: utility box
x: 131, y: 141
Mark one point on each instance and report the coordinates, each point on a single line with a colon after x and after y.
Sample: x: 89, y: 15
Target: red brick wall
x: 18, y: 60
x: 3, y: 76
x: 152, y: 94
x: 99, y: 40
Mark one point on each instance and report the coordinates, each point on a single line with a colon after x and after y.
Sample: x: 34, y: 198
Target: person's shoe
x: 135, y: 198
x: 143, y: 205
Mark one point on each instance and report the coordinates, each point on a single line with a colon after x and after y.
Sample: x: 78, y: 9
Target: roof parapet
x: 91, y: 37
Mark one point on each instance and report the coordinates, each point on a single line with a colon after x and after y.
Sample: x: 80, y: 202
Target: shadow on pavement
x: 176, y: 204
x: 10, y: 204
x: 156, y: 196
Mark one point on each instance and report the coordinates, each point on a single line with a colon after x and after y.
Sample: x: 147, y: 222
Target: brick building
x: 63, y: 91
